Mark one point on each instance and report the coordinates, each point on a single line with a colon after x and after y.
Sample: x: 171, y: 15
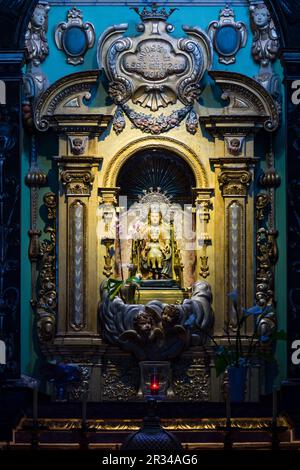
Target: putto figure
x: 157, y: 331
x: 36, y: 51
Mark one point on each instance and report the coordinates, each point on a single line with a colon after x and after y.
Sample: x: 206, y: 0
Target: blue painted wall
x: 55, y: 67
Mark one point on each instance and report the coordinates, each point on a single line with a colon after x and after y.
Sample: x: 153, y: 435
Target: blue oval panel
x: 227, y: 40
x: 75, y: 41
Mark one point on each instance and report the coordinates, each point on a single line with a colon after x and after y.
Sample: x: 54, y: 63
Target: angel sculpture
x: 157, y: 331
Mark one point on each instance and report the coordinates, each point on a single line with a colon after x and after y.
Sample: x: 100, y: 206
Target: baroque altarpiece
x: 156, y: 175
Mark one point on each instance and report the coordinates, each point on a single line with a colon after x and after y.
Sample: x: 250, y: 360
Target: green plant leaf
x: 115, y: 291
x: 221, y: 365
x: 134, y: 279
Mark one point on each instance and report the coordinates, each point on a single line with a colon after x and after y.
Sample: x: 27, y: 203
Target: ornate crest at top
x: 154, y: 69
x: 154, y: 13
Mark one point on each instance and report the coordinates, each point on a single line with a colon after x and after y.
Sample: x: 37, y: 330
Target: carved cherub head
x: 234, y: 145
x: 170, y: 316
x: 260, y: 15
x: 39, y: 18
x: 78, y: 146
x: 144, y: 323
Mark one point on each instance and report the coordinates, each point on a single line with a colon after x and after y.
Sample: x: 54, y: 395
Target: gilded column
x: 234, y: 178
x: 78, y: 283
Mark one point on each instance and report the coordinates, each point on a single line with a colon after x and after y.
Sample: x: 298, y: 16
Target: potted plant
x: 235, y: 357
x: 126, y: 288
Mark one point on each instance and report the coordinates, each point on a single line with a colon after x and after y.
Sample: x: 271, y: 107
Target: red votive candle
x: 154, y: 384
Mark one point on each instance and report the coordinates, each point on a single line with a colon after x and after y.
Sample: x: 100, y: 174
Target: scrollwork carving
x: 247, y: 98
x: 191, y: 380
x: 77, y: 182
x: 266, y: 253
x: 80, y: 391
x: 235, y: 183
x: 108, y: 257
x: 70, y: 91
x: 262, y: 201
x: 47, y: 297
x: 204, y: 267
x: 203, y: 206
x: 154, y: 69
x: 120, y: 380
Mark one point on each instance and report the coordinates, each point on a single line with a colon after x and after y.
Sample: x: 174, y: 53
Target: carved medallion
x: 154, y: 69
x: 74, y: 37
x: 228, y: 36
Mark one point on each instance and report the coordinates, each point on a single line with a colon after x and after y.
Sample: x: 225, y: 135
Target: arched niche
x: 157, y: 168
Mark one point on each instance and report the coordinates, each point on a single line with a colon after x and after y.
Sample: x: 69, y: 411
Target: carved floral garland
x: 155, y: 125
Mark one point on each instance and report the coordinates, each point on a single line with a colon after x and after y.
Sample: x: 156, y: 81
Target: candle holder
x: 154, y: 379
x: 151, y: 436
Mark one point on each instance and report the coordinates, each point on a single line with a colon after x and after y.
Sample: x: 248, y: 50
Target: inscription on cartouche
x: 154, y: 60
